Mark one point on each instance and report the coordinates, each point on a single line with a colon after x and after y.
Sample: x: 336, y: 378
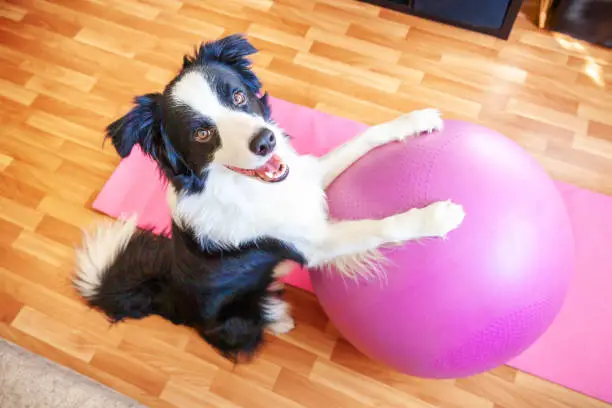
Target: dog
x: 243, y: 202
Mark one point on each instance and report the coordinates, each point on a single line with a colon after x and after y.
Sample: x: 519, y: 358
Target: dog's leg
x: 349, y: 238
x: 410, y: 124
x: 277, y: 313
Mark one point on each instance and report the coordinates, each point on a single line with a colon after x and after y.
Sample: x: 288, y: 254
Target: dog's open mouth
x: 273, y: 171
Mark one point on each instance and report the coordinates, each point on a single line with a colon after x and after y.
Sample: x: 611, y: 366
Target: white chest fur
x: 233, y: 208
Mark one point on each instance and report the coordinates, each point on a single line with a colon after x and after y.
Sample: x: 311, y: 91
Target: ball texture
x: 460, y: 306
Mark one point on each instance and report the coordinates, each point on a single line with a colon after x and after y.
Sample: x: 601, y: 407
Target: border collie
x: 242, y: 201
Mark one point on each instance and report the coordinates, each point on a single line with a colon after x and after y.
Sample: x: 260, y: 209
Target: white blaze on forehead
x: 194, y: 91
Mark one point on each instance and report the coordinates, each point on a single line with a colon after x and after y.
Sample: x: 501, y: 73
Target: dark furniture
x: 589, y: 20
x: 493, y: 17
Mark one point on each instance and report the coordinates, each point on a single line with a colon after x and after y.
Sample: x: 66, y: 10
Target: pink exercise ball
x: 461, y: 306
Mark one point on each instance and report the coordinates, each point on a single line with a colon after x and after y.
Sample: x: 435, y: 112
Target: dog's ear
x: 138, y: 127
x: 232, y: 51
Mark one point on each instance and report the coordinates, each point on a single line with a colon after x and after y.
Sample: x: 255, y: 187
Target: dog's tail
x: 121, y: 270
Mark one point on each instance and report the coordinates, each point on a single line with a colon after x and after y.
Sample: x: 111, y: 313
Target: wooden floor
x: 68, y: 67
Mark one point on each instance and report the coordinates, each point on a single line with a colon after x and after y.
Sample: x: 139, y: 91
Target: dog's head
x: 210, y: 116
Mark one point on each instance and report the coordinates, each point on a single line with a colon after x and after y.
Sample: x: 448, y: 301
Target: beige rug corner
x: 31, y: 381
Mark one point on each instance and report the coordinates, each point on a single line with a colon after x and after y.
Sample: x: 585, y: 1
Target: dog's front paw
x: 405, y: 126
x: 416, y: 122
x: 282, y: 326
x: 435, y: 220
x: 440, y: 218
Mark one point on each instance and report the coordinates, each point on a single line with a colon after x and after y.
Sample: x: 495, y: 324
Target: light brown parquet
x: 69, y: 67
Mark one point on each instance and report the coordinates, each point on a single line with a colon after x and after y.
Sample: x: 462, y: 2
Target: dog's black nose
x: 263, y: 142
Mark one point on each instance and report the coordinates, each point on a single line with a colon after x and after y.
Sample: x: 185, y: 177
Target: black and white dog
x: 242, y: 201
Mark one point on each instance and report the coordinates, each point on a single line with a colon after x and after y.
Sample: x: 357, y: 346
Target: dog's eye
x: 203, y: 135
x: 239, y: 98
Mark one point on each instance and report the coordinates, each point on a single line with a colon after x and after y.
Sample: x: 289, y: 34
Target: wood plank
x: 69, y: 68
x: 55, y: 333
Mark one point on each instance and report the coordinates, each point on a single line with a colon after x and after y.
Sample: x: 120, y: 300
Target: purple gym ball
x: 467, y: 304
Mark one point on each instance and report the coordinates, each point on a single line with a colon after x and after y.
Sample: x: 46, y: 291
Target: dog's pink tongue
x: 272, y: 165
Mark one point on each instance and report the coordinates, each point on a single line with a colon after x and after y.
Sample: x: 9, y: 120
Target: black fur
x: 193, y: 282
x: 220, y: 293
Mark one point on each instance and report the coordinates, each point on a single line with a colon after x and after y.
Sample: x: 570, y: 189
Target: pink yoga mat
x: 575, y: 352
